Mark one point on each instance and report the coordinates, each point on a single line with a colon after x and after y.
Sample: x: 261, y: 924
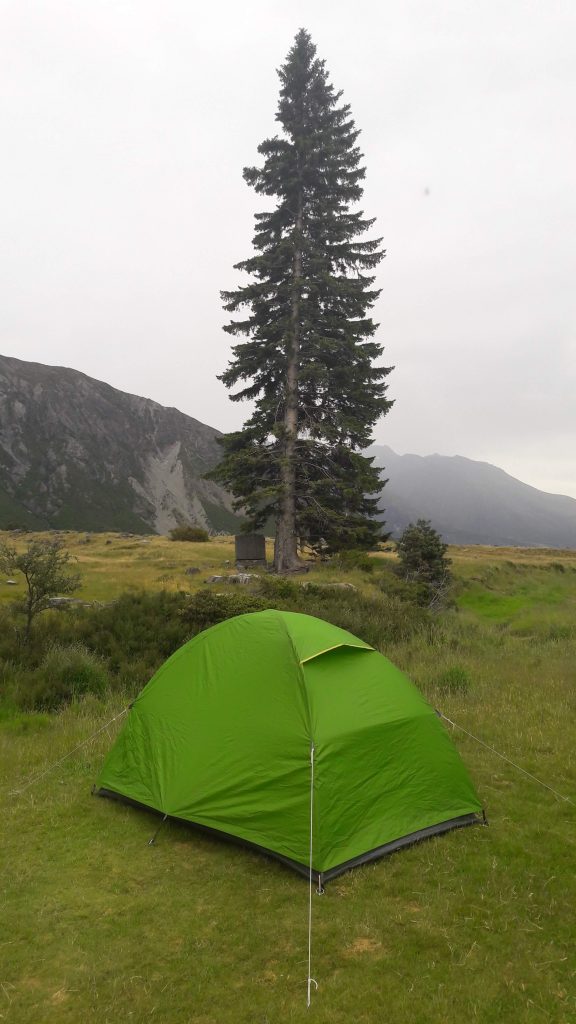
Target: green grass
x: 476, y: 925
x: 529, y: 599
x: 498, y: 607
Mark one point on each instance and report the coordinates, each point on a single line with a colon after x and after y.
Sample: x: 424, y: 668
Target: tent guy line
x: 508, y: 760
x: 311, y: 980
x: 455, y: 725
x: 36, y: 778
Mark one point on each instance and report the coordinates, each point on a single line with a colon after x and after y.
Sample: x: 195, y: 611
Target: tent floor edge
x: 216, y: 833
x: 411, y: 839
x: 319, y: 877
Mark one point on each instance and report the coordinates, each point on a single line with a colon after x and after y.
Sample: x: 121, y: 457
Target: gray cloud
x: 124, y: 129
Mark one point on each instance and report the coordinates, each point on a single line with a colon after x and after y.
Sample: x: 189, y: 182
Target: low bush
x: 186, y: 531
x: 380, y: 620
x: 121, y: 646
x: 139, y: 630
x: 9, y: 633
x: 277, y: 589
x: 391, y: 584
x: 51, y: 627
x: 207, y: 608
x: 352, y: 559
x: 65, y: 674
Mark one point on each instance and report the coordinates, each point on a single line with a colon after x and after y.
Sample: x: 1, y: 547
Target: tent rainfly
x: 264, y: 716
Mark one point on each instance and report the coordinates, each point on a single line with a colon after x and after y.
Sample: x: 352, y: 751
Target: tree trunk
x: 29, y: 617
x: 286, y: 542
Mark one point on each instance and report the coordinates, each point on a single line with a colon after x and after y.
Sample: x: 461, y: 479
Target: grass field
x: 477, y: 925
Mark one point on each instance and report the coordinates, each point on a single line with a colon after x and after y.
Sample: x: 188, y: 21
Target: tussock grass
x: 476, y: 925
x: 111, y: 563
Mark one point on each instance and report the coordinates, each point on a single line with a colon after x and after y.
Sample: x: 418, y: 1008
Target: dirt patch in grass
x: 364, y: 946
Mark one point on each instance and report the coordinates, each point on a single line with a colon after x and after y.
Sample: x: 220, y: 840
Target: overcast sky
x: 124, y: 127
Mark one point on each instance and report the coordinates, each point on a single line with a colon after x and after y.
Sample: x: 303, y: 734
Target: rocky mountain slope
x: 472, y: 502
x: 78, y: 454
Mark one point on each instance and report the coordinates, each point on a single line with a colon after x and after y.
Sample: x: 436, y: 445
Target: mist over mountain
x: 472, y: 502
x: 78, y: 454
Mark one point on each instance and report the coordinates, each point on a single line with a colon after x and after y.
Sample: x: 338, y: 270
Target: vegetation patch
x: 454, y: 680
x: 94, y: 921
x: 498, y: 607
x: 188, y: 532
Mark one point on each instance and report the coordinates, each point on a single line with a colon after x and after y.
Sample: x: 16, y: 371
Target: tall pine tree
x: 308, y: 361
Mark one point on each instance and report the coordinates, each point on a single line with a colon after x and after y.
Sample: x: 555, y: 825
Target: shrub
x: 139, y: 629
x: 379, y: 620
x: 278, y: 589
x: 64, y: 674
x: 353, y: 559
x: 9, y: 639
x: 51, y: 627
x: 206, y: 608
x: 186, y: 531
x: 121, y: 645
x: 391, y: 584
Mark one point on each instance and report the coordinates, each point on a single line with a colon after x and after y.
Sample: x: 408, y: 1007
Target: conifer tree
x: 422, y: 560
x: 308, y: 358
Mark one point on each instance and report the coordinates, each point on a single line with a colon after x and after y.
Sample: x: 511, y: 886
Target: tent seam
x: 353, y: 647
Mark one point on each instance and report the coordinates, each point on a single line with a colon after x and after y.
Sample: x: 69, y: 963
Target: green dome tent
x: 267, y: 715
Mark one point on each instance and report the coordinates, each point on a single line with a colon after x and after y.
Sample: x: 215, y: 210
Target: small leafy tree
x: 44, y: 565
x: 422, y: 560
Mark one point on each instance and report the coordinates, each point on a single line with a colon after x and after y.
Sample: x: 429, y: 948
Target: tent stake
x: 152, y: 841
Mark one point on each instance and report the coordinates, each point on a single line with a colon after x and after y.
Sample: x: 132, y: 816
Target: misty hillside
x: 472, y: 502
x: 78, y: 454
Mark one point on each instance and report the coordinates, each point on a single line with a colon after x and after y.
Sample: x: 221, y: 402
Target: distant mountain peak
x: 76, y: 453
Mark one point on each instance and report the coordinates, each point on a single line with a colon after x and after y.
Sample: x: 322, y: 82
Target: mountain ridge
x: 77, y: 453
x: 472, y: 502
